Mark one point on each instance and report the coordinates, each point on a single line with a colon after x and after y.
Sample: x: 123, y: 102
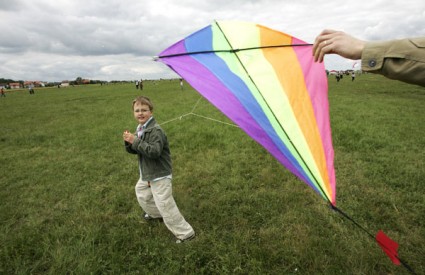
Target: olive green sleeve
x: 397, y: 59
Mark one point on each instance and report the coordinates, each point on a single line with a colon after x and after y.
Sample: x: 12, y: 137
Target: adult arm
x: 396, y: 59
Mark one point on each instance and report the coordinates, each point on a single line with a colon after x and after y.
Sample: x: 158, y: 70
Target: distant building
x: 15, y: 85
x: 34, y: 83
x: 65, y: 83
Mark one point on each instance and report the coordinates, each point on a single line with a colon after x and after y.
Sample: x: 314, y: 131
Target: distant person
x: 137, y: 84
x: 353, y: 76
x: 181, y: 84
x: 31, y: 89
x: 2, y: 92
x: 154, y: 188
x: 402, y: 59
x: 141, y: 84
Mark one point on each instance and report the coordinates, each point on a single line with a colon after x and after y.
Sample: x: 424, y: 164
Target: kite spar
x: 268, y: 84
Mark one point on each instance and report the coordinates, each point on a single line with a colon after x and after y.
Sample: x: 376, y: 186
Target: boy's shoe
x: 187, y: 239
x: 149, y: 218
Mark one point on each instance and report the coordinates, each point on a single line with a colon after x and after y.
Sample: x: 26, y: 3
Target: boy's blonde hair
x: 143, y: 100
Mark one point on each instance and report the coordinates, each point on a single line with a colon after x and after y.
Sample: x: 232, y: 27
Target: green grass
x: 67, y: 202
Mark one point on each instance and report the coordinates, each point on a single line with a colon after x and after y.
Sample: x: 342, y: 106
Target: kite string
x: 196, y: 104
x: 191, y: 113
x: 216, y: 120
x: 176, y: 118
x: 345, y: 215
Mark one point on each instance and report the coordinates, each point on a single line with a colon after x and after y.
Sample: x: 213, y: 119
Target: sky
x: 45, y: 40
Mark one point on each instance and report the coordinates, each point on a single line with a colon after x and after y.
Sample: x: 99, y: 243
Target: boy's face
x: 141, y: 112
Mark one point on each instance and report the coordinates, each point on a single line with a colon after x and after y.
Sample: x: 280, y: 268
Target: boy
x: 154, y: 188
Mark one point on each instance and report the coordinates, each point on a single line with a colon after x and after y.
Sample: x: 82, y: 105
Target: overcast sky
x: 116, y: 39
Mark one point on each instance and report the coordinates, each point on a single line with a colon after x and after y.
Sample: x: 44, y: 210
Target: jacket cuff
x: 135, y: 144
x: 373, y: 56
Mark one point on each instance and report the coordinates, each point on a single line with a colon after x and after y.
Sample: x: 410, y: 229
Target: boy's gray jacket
x: 153, y: 151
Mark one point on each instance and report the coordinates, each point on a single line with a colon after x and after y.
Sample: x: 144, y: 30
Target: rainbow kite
x: 267, y: 83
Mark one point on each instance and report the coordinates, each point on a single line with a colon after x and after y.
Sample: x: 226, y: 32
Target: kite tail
x: 383, y: 245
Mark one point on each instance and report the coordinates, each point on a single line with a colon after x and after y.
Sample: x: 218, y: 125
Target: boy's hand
x: 128, y: 137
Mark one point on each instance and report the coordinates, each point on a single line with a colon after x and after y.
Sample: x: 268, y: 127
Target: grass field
x: 67, y: 203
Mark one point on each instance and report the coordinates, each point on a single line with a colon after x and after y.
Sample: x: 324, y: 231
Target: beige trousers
x: 157, y: 201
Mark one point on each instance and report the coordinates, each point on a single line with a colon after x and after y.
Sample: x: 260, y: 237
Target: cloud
x: 115, y: 39
x: 396, y: 25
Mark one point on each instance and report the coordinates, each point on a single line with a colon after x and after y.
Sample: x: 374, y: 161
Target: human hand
x: 128, y: 137
x: 337, y: 42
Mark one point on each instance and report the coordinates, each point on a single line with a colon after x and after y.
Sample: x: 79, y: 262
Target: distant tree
x: 78, y: 80
x: 4, y: 80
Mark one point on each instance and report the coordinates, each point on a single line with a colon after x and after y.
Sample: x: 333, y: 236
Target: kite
x: 266, y: 82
